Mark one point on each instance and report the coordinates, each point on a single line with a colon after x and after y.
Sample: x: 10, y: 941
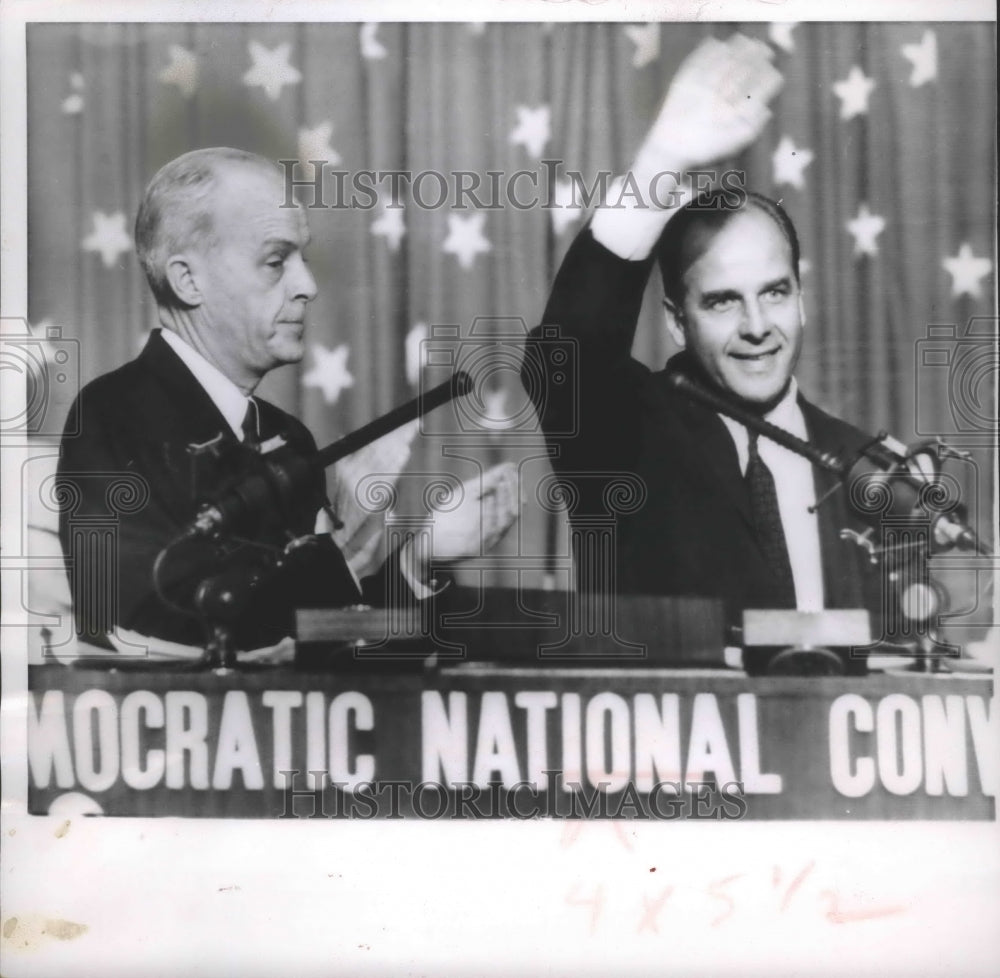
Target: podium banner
x: 511, y: 743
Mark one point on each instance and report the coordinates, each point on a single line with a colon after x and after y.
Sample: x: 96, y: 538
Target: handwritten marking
x: 596, y: 903
x: 651, y: 910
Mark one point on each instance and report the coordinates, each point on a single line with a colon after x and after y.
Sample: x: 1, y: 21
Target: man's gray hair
x: 176, y: 213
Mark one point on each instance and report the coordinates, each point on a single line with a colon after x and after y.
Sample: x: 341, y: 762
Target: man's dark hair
x: 690, y: 231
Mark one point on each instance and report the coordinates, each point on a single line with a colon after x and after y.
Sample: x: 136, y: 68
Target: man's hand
x: 716, y: 106
x: 488, y: 509
x: 717, y: 103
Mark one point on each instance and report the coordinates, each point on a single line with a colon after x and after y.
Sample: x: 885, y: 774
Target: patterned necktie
x: 251, y: 426
x: 767, y: 521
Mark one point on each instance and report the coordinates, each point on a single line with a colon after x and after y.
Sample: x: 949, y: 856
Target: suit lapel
x: 709, y: 440
x: 196, y: 419
x: 840, y: 590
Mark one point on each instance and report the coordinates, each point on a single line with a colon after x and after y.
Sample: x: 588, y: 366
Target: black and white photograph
x: 509, y: 488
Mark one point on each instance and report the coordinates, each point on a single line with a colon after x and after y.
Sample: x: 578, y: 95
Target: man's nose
x: 754, y: 322
x: 303, y: 284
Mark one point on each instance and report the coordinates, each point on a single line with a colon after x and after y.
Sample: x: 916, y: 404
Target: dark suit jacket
x: 137, y: 425
x: 693, y: 534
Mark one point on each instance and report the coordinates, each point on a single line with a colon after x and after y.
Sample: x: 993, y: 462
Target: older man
x: 725, y: 514
x: 225, y: 258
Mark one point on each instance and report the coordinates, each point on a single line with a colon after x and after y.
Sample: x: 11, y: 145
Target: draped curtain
x: 887, y: 127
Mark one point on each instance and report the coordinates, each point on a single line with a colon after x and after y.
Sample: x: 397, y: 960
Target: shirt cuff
x: 631, y: 227
x: 408, y: 569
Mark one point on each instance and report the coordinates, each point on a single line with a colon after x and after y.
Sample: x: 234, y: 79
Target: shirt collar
x: 226, y: 396
x: 785, y: 414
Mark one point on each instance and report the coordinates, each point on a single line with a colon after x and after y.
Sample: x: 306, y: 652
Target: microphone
x: 882, y: 460
x: 284, y: 473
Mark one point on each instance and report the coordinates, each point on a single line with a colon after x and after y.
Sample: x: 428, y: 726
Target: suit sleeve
x: 112, y: 526
x: 588, y: 408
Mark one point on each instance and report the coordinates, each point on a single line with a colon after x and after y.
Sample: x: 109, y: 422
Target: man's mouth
x: 760, y: 356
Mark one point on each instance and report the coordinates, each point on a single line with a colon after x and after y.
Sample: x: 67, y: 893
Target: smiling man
x: 148, y: 443
x: 723, y: 513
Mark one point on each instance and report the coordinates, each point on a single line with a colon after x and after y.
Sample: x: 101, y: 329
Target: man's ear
x: 675, y: 322
x: 802, y: 307
x: 183, y: 280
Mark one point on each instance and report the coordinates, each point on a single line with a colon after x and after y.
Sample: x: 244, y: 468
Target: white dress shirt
x: 226, y: 396
x: 793, y: 481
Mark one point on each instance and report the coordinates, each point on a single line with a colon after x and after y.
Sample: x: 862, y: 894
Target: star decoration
x: 329, y: 372
x: 853, y: 93
x: 271, y: 69
x: 414, y: 347
x: 182, y: 70
x: 314, y: 144
x: 789, y: 162
x: 532, y: 129
x: 465, y: 238
x: 646, y: 38
x: 73, y: 103
x: 923, y: 57
x: 372, y: 49
x: 390, y: 225
x: 141, y: 340
x: 865, y: 228
x: 781, y: 36
x: 568, y: 210
x: 966, y: 270
x: 109, y: 237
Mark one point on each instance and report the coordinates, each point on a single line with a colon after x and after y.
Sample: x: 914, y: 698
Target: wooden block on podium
x: 521, y: 627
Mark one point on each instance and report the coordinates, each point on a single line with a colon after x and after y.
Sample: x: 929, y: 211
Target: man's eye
x: 276, y: 263
x: 776, y: 295
x: 721, y: 305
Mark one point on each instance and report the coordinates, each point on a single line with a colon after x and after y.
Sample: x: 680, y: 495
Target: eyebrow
x: 722, y: 295
x: 785, y: 281
x: 270, y: 243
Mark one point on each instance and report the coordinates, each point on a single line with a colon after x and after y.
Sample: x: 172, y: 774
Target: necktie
x: 767, y: 522
x: 251, y: 426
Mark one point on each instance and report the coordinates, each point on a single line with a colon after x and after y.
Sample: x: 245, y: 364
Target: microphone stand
x: 279, y: 483
x: 885, y: 472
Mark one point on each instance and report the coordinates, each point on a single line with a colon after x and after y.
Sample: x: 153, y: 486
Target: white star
x: 568, y: 210
x: 465, y: 238
x: 390, y: 225
x: 108, y: 237
x: 853, y: 93
x: 372, y: 49
x: 271, y: 69
x: 314, y: 144
x: 646, y: 38
x: 789, y: 162
x: 781, y: 35
x: 532, y: 129
x: 73, y: 103
x: 865, y: 228
x: 182, y: 70
x: 141, y: 340
x: 414, y: 348
x: 923, y: 57
x: 329, y: 372
x: 966, y: 270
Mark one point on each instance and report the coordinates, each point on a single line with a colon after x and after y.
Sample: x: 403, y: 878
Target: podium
x: 518, y: 627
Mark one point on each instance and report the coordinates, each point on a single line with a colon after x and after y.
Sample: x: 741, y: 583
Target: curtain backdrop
x: 881, y: 148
